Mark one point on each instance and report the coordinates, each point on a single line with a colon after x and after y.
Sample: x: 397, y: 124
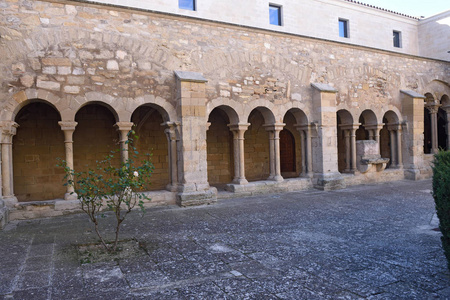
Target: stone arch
x: 109, y: 107
x: 94, y: 136
x: 219, y: 142
x: 166, y: 109
x: 38, y: 143
x: 233, y: 109
x: 366, y: 119
x: 256, y: 144
x: 23, y: 98
x: 148, y: 119
x: 294, y: 136
x: 387, y: 142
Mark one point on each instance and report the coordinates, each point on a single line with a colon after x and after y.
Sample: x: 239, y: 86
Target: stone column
x: 238, y: 146
x: 305, y: 132
x: 123, y: 128
x: 374, y: 132
x: 393, y: 143
x: 274, y: 140
x: 433, y: 109
x: 9, y: 129
x: 68, y: 128
x: 172, y: 138
x: 348, y: 151
x: 193, y: 186
x: 324, y: 149
x: 353, y: 146
x: 399, y: 146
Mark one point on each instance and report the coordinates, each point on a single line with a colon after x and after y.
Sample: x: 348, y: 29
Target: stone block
x: 56, y: 61
x: 48, y: 85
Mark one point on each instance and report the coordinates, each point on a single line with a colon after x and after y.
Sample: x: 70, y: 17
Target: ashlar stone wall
x: 74, y: 55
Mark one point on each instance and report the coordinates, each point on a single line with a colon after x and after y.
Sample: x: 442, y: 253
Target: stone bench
x: 367, y: 156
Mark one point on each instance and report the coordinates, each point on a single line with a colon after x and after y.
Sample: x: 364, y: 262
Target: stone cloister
x: 232, y: 111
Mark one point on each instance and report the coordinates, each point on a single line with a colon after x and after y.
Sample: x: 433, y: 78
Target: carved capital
x: 68, y: 125
x: 274, y: 127
x: 8, y: 130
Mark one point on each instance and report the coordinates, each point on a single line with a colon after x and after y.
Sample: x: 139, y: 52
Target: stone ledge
x: 265, y: 187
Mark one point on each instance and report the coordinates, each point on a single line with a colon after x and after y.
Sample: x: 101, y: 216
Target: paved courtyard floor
x: 363, y: 242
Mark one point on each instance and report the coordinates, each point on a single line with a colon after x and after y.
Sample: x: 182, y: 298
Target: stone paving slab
x: 363, y: 242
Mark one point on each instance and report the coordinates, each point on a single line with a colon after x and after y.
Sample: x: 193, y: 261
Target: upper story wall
x: 369, y: 27
x: 434, y: 36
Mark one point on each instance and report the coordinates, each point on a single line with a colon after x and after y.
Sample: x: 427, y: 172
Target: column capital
x: 67, y: 125
x: 446, y: 108
x: 8, y: 130
x: 350, y: 126
x: 394, y: 127
x: 374, y: 126
x: 239, y: 126
x: 122, y: 126
x: 274, y: 127
x: 433, y: 107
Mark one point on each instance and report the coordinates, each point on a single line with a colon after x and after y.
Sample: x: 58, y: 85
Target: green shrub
x: 119, y: 188
x: 441, y: 194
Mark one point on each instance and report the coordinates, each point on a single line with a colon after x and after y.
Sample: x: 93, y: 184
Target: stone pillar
x: 193, y: 186
x: 393, y: 143
x: 123, y: 128
x: 9, y: 129
x: 172, y: 138
x: 238, y: 131
x: 68, y: 128
x: 399, y: 146
x: 412, y: 111
x: 353, y: 146
x: 374, y: 132
x: 433, y: 109
x: 348, y: 151
x: 305, y: 133
x: 274, y: 141
x: 324, y: 149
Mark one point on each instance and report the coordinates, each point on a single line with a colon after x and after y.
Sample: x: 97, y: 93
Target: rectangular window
x: 186, y: 4
x: 397, y: 36
x: 343, y: 28
x: 275, y: 14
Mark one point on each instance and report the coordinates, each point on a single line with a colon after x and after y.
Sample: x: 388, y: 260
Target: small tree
x: 117, y: 187
x: 441, y: 194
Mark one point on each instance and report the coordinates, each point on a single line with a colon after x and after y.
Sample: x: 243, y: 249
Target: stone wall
x: 72, y: 55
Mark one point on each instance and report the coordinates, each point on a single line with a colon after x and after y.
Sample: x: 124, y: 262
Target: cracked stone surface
x: 364, y: 242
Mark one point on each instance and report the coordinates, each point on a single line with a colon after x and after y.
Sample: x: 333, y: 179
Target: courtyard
x: 363, y: 242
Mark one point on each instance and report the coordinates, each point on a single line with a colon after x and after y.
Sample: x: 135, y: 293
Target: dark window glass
x: 396, y: 37
x: 275, y: 15
x: 186, y: 4
x: 343, y: 28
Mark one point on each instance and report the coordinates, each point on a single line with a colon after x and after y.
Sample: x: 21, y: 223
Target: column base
x: 328, y: 182
x: 172, y: 187
x: 240, y: 181
x: 277, y: 178
x: 10, y: 201
x: 70, y: 196
x: 191, y: 198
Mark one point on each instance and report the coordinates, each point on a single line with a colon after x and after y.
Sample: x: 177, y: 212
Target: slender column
x: 309, y: 152
x: 305, y: 132
x: 171, y: 134
x: 399, y: 146
x: 433, y: 109
x: 238, y: 145
x: 347, y: 151
x: 353, y: 146
x: 393, y: 142
x: 303, y: 148
x: 371, y: 134
x: 68, y: 128
x: 274, y: 141
x: 123, y: 128
x: 9, y: 129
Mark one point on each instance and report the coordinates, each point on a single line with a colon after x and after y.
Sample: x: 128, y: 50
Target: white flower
x: 136, y: 174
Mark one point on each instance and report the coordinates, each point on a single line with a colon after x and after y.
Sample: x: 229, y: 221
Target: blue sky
x: 415, y: 8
